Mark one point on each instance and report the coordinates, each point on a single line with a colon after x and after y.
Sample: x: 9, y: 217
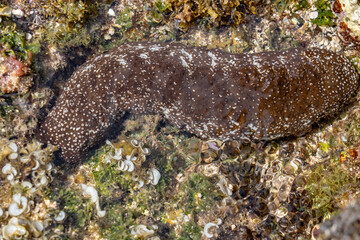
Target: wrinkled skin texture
x: 210, y: 93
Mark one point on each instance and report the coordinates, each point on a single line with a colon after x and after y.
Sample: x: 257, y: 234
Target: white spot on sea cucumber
x: 144, y: 56
x: 187, y: 54
x: 213, y: 59
x: 183, y: 62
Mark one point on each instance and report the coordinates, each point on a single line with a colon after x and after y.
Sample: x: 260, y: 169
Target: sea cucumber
x: 210, y: 93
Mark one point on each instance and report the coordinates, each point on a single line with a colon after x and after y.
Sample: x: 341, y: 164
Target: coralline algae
x: 210, y: 93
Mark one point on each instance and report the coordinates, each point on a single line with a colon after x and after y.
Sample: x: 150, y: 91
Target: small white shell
x: 313, y: 15
x: 13, y: 147
x: 61, y: 216
x: 41, y: 156
x: 207, y: 228
x: 37, y: 165
x: 26, y: 184
x: 13, y: 156
x: 211, y: 225
x: 126, y: 165
x: 49, y: 166
x: 118, y: 154
x: 134, y: 143
x: 18, y: 13
x: 154, y: 176
x: 111, y: 12
x: 109, y: 143
x: 19, y: 205
x: 9, y: 169
x: 145, y: 151
x: 130, y: 165
x: 24, y: 159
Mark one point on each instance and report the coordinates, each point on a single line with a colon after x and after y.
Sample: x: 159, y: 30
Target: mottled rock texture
x: 210, y: 93
x: 344, y: 226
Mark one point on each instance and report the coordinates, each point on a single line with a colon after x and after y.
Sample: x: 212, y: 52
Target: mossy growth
x: 281, y: 5
x: 302, y: 4
x: 199, y: 194
x: 326, y: 17
x: 353, y: 128
x: 66, y: 22
x: 356, y: 62
x: 117, y: 223
x: 79, y: 210
x: 13, y: 41
x: 124, y: 19
x: 326, y: 184
x: 128, y: 205
x: 194, y: 196
x: 106, y: 176
x: 214, y: 13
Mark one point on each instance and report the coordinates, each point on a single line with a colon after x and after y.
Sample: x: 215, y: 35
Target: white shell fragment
x: 13, y: 147
x: 18, y: 13
x: 153, y: 176
x: 210, y: 225
x: 10, y: 171
x: 141, y: 231
x: 91, y: 192
x: 19, y: 205
x: 111, y: 12
x: 225, y: 187
x: 313, y: 15
x: 126, y: 165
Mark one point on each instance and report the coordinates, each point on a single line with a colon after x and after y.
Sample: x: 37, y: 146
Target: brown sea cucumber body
x: 210, y: 93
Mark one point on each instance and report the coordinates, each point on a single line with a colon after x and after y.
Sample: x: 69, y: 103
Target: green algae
x: 13, y: 41
x: 326, y: 17
x: 124, y: 19
x: 326, y: 184
x: 66, y: 22
x: 302, y: 4
x: 128, y: 205
x: 79, y: 210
